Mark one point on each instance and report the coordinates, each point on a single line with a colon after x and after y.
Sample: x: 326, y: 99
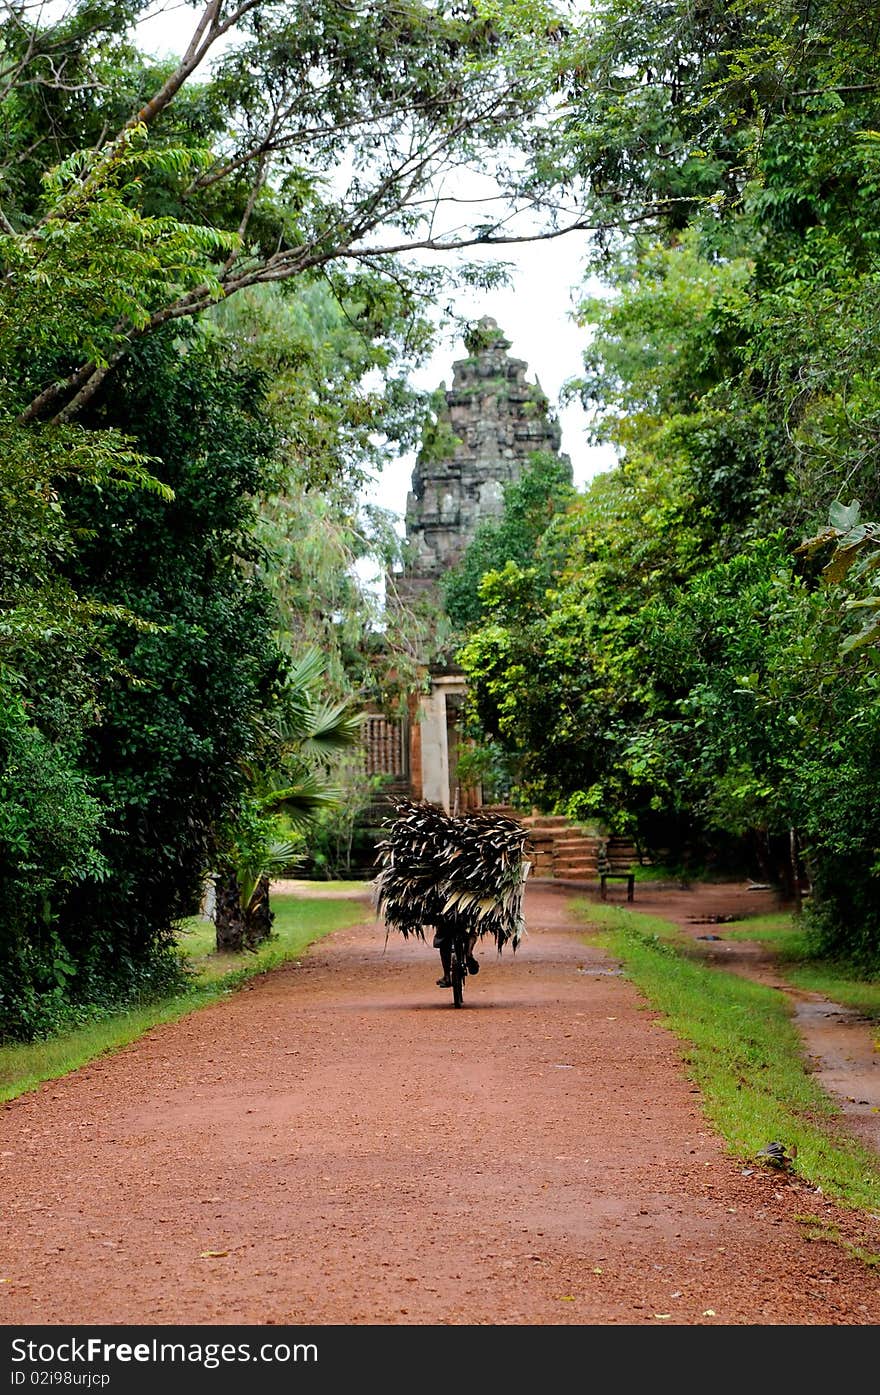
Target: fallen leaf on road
x: 213, y: 1254
x: 709, y: 1312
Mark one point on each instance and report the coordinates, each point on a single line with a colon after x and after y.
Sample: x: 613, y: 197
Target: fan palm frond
x: 332, y: 726
x: 301, y: 798
x: 279, y: 857
x: 307, y: 671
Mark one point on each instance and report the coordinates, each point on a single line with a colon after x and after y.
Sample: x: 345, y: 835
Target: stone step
x: 574, y: 843
x: 546, y: 821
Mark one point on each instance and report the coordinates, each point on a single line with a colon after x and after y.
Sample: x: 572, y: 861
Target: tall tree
x: 694, y: 674
x: 321, y: 139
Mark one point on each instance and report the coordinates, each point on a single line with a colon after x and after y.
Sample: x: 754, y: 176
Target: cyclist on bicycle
x: 443, y: 942
x: 462, y: 875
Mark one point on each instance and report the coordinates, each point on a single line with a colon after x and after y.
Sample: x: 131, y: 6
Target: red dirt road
x: 337, y: 1145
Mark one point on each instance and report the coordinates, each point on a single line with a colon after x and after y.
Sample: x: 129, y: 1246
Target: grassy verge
x: 316, y: 885
x: 743, y: 1051
x: 299, y: 922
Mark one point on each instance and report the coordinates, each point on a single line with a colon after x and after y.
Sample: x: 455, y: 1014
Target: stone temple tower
x: 488, y: 424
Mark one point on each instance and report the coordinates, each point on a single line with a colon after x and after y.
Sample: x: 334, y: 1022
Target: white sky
x: 534, y: 312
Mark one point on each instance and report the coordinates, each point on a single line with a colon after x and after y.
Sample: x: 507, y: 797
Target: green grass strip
x: 743, y: 1051
x: 299, y: 922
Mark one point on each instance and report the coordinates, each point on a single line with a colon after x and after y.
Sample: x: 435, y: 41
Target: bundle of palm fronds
x: 444, y: 871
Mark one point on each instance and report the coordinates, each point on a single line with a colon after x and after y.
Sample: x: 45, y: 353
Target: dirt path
x: 336, y: 1144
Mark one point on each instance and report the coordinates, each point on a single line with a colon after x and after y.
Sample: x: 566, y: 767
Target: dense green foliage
x: 167, y: 552
x: 166, y: 754
x: 692, y: 674
x: 520, y: 535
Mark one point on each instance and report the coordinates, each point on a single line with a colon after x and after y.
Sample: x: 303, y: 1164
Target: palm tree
x: 289, y: 777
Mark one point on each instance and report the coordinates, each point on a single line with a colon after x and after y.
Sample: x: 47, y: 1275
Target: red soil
x: 337, y: 1145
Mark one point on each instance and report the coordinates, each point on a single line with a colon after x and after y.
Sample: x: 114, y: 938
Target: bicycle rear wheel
x: 457, y: 971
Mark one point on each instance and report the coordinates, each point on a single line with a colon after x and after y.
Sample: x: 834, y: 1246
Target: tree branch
x: 206, y: 34
x: 282, y: 266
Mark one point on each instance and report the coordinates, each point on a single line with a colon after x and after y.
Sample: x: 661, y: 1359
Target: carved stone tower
x: 488, y: 424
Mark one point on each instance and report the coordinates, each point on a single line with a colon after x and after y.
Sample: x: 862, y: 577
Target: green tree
x: 317, y: 143
x: 288, y: 775
x: 694, y: 673
x: 166, y: 750
x: 530, y: 503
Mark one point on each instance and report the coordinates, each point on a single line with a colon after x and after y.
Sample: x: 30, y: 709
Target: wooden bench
x: 609, y: 872
x: 628, y: 877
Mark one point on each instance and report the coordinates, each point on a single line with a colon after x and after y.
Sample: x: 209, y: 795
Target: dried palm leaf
x: 448, y: 872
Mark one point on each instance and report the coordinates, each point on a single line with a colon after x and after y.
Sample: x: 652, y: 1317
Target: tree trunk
x: 793, y: 875
x: 228, y: 915
x: 258, y: 917
x: 760, y: 843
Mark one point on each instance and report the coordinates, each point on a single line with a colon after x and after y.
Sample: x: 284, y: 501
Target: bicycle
x: 458, y: 969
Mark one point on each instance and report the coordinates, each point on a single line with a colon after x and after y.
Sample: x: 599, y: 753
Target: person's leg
x: 444, y: 944
x: 472, y: 964
x: 446, y: 961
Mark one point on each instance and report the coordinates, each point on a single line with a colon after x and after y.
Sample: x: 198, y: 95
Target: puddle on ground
x: 839, y: 1042
x: 840, y: 1046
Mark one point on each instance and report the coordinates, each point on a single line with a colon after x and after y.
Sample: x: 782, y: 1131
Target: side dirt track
x: 337, y: 1145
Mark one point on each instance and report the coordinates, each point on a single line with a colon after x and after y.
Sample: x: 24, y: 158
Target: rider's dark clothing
x: 443, y: 941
